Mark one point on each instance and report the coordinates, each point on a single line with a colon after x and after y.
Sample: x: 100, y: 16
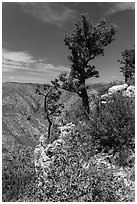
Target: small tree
x: 128, y: 64
x: 52, y: 107
x: 87, y: 41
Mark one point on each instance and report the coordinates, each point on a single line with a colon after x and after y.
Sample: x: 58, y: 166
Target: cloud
x: 20, y: 57
x: 16, y: 61
x: 114, y: 7
x: 49, y: 12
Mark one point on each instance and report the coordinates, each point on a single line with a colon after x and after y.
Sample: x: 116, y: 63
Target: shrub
x: 114, y: 127
x: 76, y: 112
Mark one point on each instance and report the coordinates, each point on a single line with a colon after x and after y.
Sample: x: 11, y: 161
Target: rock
x: 43, y: 139
x: 45, y: 153
x: 130, y: 92
x: 126, y: 91
x: 104, y: 97
x: 103, y: 102
x: 117, y: 88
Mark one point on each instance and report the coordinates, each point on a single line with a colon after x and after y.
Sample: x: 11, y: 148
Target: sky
x: 33, y: 35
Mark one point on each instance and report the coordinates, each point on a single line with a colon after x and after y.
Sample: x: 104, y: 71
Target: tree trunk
x: 47, y: 117
x: 49, y: 129
x: 126, y: 79
x: 85, y: 100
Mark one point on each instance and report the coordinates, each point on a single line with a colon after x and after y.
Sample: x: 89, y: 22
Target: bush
x: 114, y: 127
x: 76, y: 113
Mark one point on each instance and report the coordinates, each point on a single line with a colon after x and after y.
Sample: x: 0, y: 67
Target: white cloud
x: 50, y: 12
x: 21, y: 57
x: 114, y: 7
x: 16, y: 60
x: 13, y: 61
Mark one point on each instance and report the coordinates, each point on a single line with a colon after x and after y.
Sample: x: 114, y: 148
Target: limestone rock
x: 44, y: 153
x: 117, y: 88
x: 124, y: 89
x: 105, y: 96
x: 130, y: 92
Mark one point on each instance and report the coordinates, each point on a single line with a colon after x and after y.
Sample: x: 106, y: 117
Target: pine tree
x: 128, y: 64
x: 87, y: 41
x: 52, y: 106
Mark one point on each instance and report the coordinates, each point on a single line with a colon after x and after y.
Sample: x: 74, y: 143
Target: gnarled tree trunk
x: 84, y: 97
x: 47, y: 117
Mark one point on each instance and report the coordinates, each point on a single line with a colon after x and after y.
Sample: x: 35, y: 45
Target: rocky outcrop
x: 45, y: 153
x: 130, y: 92
x: 49, y: 155
x: 117, y: 88
x: 125, y: 90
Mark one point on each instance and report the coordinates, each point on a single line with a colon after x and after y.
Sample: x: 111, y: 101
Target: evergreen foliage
x: 87, y: 41
x: 52, y: 107
x: 128, y: 65
x: 114, y: 127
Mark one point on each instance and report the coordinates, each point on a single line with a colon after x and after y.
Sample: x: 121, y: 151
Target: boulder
x: 117, y: 88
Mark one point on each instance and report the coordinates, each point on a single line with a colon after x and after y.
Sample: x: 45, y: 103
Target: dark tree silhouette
x: 128, y: 64
x: 52, y: 107
x: 87, y: 41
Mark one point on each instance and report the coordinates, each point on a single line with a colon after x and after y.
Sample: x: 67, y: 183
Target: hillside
x: 22, y: 115
x: 22, y: 112
x: 23, y: 127
x: 23, y: 122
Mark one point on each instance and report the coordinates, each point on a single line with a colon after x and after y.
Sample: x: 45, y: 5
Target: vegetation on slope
x: 105, y: 145
x: 22, y: 124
